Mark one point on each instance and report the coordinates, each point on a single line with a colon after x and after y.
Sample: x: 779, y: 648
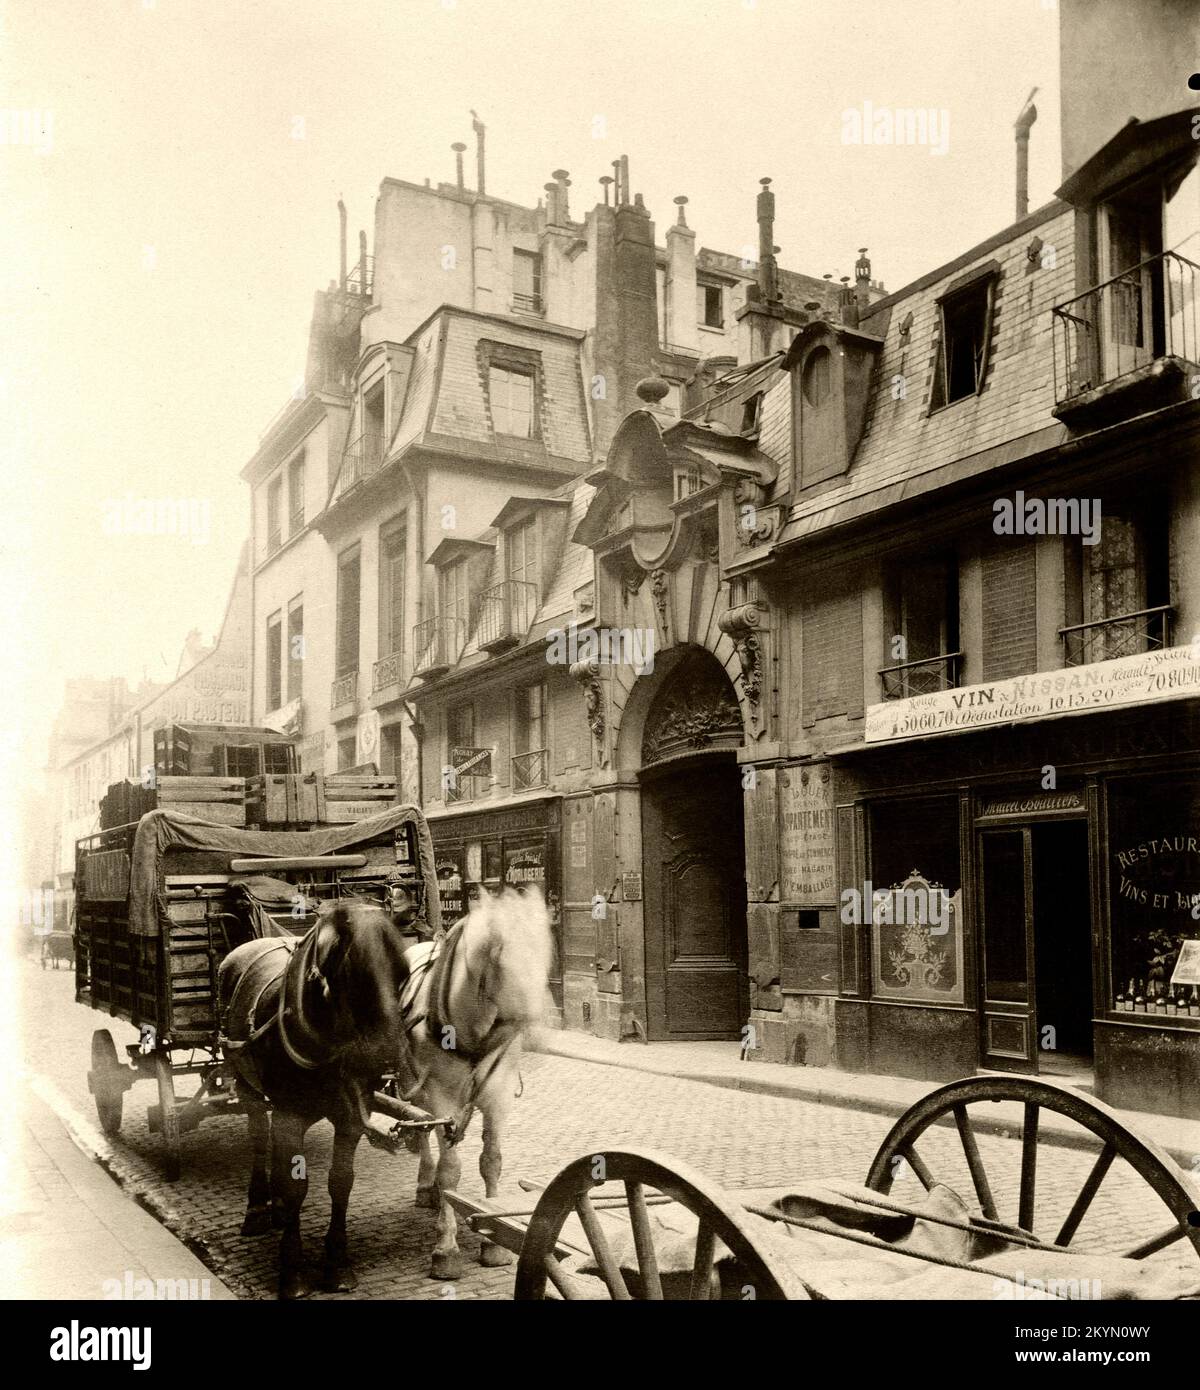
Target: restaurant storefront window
x: 1154, y: 839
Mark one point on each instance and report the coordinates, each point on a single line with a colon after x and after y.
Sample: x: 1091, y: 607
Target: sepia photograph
x: 604, y: 668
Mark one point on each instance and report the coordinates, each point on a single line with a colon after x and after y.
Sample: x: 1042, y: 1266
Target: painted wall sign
x: 1032, y: 805
x: 916, y: 942
x: 1171, y: 674
x: 807, y: 869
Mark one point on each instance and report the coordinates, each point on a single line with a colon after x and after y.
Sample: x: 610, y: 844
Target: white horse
x: 472, y: 996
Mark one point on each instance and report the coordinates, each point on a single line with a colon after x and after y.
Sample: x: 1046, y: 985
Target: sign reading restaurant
x: 1172, y: 673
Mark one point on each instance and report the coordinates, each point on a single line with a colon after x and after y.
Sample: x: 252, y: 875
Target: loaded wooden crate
x: 219, y: 799
x: 294, y: 798
x: 221, y: 750
x: 352, y: 797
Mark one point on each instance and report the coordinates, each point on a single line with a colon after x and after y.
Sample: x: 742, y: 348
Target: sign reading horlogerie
x: 1173, y: 673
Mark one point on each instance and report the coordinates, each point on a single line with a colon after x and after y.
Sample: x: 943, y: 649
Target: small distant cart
x: 160, y: 902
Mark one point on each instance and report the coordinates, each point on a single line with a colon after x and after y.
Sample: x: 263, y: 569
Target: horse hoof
x: 294, y: 1285
x: 493, y: 1256
x: 446, y: 1264
x: 257, y: 1222
x: 338, y: 1279
x: 426, y: 1197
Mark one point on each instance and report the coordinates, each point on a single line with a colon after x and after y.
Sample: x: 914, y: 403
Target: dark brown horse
x: 309, y: 1027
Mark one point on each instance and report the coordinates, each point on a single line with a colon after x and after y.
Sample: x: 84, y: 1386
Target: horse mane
x: 512, y: 932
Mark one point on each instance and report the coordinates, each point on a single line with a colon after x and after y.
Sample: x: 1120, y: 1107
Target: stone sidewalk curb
x: 1183, y: 1145
x: 94, y: 1144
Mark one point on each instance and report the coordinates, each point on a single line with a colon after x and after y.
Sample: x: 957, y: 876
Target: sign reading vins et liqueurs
x: 1170, y: 674
x: 807, y: 868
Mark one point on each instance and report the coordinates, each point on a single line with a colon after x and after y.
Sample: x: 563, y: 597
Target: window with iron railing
x: 1117, y: 591
x: 921, y: 607
x: 530, y: 763
x: 437, y: 644
x: 348, y: 608
x: 527, y: 282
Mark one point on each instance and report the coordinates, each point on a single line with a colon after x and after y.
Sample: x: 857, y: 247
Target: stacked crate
x: 351, y: 798
x: 219, y: 799
x: 279, y: 800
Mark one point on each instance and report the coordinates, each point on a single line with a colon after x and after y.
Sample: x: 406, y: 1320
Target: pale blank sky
x: 162, y: 254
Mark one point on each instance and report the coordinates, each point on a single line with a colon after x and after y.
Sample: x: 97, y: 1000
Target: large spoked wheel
x: 1117, y: 1145
x: 168, y: 1116
x: 106, y: 1081
x: 634, y: 1267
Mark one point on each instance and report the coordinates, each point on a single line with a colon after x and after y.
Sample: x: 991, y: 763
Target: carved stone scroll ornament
x: 660, y: 586
x: 742, y: 625
x: 587, y: 673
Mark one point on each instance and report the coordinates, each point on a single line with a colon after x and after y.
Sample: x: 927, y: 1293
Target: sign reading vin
x: 1171, y: 673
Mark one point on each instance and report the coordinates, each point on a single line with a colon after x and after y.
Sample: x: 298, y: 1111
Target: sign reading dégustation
x: 807, y: 868
x: 1173, y: 673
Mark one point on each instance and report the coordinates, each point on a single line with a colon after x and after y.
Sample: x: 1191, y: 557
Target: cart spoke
x: 600, y: 1248
x: 917, y: 1164
x: 1104, y: 1161
x: 983, y: 1190
x: 643, y: 1241
x: 1159, y: 1242
x: 561, y: 1279
x: 1029, y: 1141
x: 702, y: 1268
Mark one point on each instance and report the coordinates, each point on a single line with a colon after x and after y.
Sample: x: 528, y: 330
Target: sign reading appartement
x: 1130, y: 680
x: 806, y: 848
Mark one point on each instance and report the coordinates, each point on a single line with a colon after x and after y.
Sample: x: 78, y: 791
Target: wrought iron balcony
x: 1138, y: 317
x: 923, y: 677
x: 361, y: 459
x: 1129, y: 634
x: 437, y: 645
x: 389, y: 670
x: 531, y: 770
x: 505, y: 613
x: 527, y: 303
x: 344, y: 690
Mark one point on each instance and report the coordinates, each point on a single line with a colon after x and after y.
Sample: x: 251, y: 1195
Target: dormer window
x: 511, y: 395
x: 966, y: 328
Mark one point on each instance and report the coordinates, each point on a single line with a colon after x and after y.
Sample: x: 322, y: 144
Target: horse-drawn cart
x: 636, y: 1224
x: 161, y: 902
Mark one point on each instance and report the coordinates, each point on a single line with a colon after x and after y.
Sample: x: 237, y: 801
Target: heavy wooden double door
x: 694, y: 870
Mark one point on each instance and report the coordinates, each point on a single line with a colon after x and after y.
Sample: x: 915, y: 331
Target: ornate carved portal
x: 696, y: 709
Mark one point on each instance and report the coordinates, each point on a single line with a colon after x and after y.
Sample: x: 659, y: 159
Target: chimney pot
x: 1022, y: 127
x: 681, y: 203
x: 768, y: 274
x: 606, y: 180
x: 458, y: 147
x: 480, y: 133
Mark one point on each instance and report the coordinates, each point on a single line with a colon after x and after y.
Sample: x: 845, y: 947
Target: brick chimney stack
x: 862, y: 281
x: 768, y: 273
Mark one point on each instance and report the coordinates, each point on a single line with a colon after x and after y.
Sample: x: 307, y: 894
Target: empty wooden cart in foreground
x: 950, y: 1208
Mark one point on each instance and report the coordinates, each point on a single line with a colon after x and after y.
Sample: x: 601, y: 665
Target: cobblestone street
x: 568, y: 1108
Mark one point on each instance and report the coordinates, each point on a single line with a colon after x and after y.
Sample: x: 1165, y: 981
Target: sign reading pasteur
x: 1173, y: 673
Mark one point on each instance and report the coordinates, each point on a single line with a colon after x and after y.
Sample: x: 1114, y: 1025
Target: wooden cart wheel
x: 642, y: 1173
x: 168, y: 1115
x: 1179, y: 1192
x: 106, y: 1081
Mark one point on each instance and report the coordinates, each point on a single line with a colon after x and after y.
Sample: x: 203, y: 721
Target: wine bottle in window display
x: 1194, y: 1003
x: 1139, y: 1000
x: 1120, y: 1002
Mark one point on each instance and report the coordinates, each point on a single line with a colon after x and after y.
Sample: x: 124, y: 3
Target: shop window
x: 1154, y: 838
x: 345, y: 753
x: 914, y: 901
x: 921, y: 643
x: 965, y: 319
x: 1118, y: 590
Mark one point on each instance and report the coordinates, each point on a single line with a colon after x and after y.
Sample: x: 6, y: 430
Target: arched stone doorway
x: 693, y: 856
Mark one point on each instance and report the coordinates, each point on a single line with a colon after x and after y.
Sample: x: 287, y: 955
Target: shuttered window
x: 348, y: 605
x: 295, y: 649
x: 393, y: 557
x: 274, y: 661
